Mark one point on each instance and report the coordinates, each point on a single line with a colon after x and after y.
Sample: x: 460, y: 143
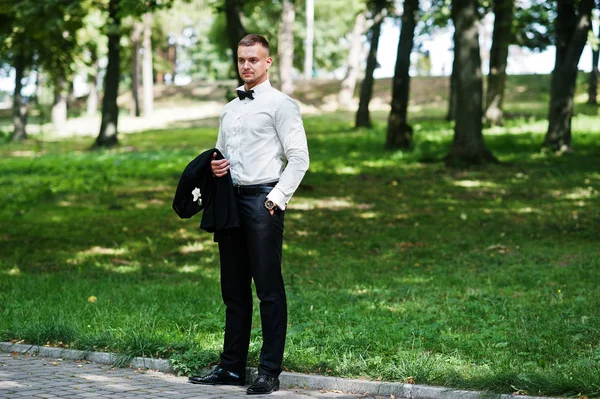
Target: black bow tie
x: 243, y: 94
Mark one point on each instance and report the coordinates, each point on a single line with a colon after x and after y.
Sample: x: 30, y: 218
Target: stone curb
x: 287, y: 380
x: 96, y: 357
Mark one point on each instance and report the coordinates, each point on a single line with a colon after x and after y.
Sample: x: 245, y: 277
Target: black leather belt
x: 255, y: 189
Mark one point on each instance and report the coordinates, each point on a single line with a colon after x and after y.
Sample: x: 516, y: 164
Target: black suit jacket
x: 218, y: 198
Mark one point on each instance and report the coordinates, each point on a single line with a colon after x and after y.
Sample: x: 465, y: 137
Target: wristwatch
x: 270, y: 205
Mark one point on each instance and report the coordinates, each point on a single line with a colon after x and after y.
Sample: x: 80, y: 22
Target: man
x: 262, y: 138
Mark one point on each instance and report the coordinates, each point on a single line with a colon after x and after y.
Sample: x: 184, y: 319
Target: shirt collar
x: 264, y: 86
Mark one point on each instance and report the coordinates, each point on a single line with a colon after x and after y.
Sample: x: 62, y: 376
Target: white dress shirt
x: 264, y: 141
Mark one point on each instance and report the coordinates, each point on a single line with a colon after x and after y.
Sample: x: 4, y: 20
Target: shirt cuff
x: 278, y: 198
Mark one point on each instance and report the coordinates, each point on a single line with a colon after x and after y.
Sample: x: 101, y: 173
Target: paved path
x: 26, y: 376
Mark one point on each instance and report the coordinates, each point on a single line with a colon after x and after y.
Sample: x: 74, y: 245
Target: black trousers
x: 253, y: 252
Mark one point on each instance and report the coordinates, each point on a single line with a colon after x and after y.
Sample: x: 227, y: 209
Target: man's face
x: 253, y: 64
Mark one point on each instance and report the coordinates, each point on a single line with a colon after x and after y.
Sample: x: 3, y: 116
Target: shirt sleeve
x: 290, y: 129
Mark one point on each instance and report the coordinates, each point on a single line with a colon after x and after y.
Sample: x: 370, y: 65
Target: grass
x: 397, y: 267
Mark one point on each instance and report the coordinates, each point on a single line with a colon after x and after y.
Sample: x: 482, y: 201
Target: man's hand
x: 220, y: 167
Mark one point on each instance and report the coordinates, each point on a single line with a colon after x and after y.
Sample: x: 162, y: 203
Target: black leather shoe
x: 219, y: 376
x: 263, y: 384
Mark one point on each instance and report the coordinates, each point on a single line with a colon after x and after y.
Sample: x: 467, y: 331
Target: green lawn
x: 397, y: 267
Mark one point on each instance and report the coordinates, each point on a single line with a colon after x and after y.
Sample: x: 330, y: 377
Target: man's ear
x: 269, y: 62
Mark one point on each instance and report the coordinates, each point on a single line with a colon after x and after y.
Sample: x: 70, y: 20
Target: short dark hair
x: 252, y: 39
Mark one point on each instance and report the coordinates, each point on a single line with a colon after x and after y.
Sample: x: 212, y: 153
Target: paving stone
x: 30, y: 376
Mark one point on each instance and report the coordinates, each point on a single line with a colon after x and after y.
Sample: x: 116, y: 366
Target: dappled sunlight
x: 474, y: 183
x: 96, y: 250
x: 123, y: 268
x: 191, y: 247
x: 528, y: 209
x: 185, y: 234
x: 142, y: 189
x: 188, y: 269
x: 13, y: 272
x: 380, y: 163
x: 29, y: 154
x: 209, y: 271
x: 331, y: 203
x: 413, y: 280
x: 578, y: 193
x: 346, y: 170
x: 586, y: 123
x: 153, y: 201
x: 368, y: 215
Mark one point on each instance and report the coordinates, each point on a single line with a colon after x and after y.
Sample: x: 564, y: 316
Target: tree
x: 363, y: 116
x: 399, y: 133
x: 593, y: 82
x: 107, y: 136
x: 503, y: 13
x: 93, y: 47
x: 27, y: 44
x: 92, y: 79
x: 310, y: 33
x: 286, y: 47
x: 331, y: 21
x: 530, y: 27
x: 59, y: 105
x: 349, y: 82
x: 117, y: 10
x: 136, y: 38
x: 572, y: 24
x: 19, y: 107
x: 15, y: 51
x: 452, y: 101
x: 468, y: 146
x: 235, y: 29
x: 379, y: 8
x: 147, y: 80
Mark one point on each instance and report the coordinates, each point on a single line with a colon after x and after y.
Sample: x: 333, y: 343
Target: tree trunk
x: 310, y: 34
x: 147, y: 80
x: 363, y: 116
x: 349, y: 83
x: 593, y: 89
x: 468, y: 146
x: 503, y: 17
x: 110, y: 110
x: 571, y: 36
x: 235, y: 30
x: 39, y: 82
x: 399, y: 133
x: 92, y: 100
x: 286, y: 47
x: 19, y: 108
x: 173, y: 61
x: 59, y: 106
x: 136, y: 35
x: 451, y: 116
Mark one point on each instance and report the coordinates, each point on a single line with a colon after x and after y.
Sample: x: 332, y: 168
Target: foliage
x: 532, y: 26
x: 333, y: 21
x: 44, y: 32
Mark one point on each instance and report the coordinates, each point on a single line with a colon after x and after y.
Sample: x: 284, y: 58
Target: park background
x: 446, y: 232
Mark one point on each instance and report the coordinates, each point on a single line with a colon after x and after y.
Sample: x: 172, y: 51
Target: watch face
x: 269, y: 204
